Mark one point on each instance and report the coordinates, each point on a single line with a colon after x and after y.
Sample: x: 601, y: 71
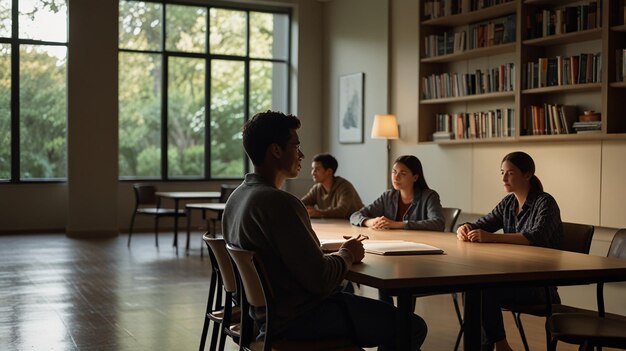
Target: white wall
x: 356, y: 40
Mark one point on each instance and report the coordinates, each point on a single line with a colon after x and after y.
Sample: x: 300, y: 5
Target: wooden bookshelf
x: 564, y: 89
x: 476, y: 97
x: 605, y: 36
x: 473, y: 16
x: 473, y: 53
x: 566, y: 38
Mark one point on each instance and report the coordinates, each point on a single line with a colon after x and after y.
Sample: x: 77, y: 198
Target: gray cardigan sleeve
x: 375, y: 209
x: 427, y: 214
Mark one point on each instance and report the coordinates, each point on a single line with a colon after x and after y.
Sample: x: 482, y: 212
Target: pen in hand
x: 360, y: 237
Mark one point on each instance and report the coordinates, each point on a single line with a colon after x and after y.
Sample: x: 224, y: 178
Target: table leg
x: 176, y: 224
x: 188, y: 211
x: 405, y: 306
x: 471, y: 321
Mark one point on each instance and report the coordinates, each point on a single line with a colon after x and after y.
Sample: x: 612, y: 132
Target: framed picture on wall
x: 351, y: 108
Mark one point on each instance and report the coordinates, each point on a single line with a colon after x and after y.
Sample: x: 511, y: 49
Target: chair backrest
x: 145, y: 194
x: 225, y: 191
x: 577, y: 237
x: 618, y: 245
x: 225, y: 265
x: 251, y: 275
x: 450, y: 214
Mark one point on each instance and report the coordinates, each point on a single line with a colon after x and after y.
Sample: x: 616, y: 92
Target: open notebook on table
x: 385, y: 247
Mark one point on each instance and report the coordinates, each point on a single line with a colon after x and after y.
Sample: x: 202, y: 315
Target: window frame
x: 15, y: 42
x: 208, y: 57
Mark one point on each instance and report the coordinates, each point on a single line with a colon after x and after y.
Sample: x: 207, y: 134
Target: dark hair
x: 525, y: 163
x: 327, y: 161
x: 414, y: 164
x: 265, y: 129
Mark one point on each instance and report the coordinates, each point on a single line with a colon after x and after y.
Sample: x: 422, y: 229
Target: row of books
x: 475, y: 125
x: 570, y: 19
x: 548, y: 119
x: 481, y: 4
x: 620, y: 63
x: 441, y: 8
x: 444, y: 44
x: 554, y: 71
x: 587, y: 127
x: 496, y: 31
x: 445, y: 85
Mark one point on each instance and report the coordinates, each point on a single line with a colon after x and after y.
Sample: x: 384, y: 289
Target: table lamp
x: 385, y: 127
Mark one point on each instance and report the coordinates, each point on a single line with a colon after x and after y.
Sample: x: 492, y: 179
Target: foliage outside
x: 189, y: 67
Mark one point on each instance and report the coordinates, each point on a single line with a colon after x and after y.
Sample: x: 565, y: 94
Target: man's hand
x: 355, y: 247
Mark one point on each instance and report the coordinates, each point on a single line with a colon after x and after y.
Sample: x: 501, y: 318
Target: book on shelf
x: 442, y: 135
x: 620, y: 65
x: 575, y: 18
x: 587, y: 127
x: 498, y: 123
x: 481, y: 4
x: 558, y: 70
x: 548, y: 119
x: 444, y: 44
x: 440, y: 8
x: 446, y: 85
x: 483, y: 34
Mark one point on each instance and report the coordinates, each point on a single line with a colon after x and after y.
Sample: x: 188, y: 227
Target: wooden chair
x: 590, y: 328
x: 257, y: 292
x: 577, y: 238
x: 220, y: 311
x: 148, y: 204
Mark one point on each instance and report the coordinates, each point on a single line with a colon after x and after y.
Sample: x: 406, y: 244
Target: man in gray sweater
x: 275, y: 224
x: 331, y: 196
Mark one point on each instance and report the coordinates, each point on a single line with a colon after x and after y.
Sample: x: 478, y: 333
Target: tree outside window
x: 189, y: 77
x: 33, y: 90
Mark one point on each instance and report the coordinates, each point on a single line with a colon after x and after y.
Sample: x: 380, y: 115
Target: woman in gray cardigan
x: 409, y: 205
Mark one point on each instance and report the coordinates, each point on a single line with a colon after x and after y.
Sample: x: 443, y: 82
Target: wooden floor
x: 58, y: 293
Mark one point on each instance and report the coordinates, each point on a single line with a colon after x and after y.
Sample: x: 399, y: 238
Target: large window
x: 33, y: 90
x: 189, y: 77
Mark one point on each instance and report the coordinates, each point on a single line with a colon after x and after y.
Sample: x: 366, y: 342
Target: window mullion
x: 15, y: 93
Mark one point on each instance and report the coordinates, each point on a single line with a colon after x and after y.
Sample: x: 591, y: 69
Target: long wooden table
x: 467, y: 267
x: 177, y: 196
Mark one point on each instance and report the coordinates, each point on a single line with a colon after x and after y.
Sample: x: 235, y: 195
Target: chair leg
x: 548, y: 337
x: 189, y: 230
x: 520, y: 327
x: 156, y: 231
x: 209, y: 306
x: 130, y: 231
x: 552, y: 345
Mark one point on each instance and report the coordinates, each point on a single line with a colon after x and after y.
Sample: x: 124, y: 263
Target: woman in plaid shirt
x: 527, y: 216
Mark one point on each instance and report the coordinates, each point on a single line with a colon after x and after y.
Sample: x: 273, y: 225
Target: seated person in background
x: 275, y: 224
x: 331, y: 196
x: 528, y: 216
x: 409, y: 205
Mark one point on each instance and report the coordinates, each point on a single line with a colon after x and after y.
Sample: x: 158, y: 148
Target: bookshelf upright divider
x: 517, y: 70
